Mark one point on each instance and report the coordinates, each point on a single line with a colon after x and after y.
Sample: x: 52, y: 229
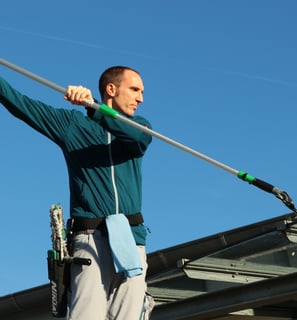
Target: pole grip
x: 103, y: 108
x: 263, y: 185
x: 256, y: 182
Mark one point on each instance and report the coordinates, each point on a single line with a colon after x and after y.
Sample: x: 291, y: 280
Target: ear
x: 111, y: 89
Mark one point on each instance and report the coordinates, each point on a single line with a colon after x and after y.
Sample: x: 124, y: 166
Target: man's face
x: 129, y: 94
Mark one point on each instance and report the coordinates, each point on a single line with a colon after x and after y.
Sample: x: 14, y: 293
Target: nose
x: 139, y: 97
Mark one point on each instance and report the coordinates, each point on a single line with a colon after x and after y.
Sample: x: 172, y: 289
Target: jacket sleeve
x: 128, y: 134
x: 47, y: 120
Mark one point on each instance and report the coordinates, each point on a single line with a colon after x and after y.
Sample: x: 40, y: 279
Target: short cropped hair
x: 112, y: 75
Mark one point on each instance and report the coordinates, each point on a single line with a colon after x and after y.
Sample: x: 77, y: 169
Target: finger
x: 77, y: 94
x: 73, y: 93
x: 80, y: 94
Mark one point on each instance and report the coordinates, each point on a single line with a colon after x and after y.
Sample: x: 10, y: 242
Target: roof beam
x: 221, y: 303
x: 232, y: 270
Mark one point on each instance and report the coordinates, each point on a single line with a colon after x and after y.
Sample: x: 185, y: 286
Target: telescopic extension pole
x: 104, y: 109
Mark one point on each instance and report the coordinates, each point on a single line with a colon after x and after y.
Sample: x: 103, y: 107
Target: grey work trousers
x: 96, y: 291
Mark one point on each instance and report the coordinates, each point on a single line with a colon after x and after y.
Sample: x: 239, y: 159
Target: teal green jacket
x: 103, y: 155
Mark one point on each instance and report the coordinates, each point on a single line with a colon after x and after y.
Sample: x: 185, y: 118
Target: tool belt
x: 81, y: 224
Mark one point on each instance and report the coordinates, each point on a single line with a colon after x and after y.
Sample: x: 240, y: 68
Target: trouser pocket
x: 148, y: 305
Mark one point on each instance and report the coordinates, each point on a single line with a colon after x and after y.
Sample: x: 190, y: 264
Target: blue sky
x: 219, y: 76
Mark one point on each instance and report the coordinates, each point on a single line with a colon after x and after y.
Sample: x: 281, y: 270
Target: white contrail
x: 92, y: 45
x: 253, y: 76
x: 81, y: 43
x: 76, y: 42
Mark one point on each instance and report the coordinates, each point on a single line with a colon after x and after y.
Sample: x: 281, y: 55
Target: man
x: 103, y: 158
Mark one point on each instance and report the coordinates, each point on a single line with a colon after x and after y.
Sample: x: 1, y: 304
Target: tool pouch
x: 59, y: 276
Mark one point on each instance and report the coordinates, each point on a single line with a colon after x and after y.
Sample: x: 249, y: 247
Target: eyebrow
x: 136, y: 88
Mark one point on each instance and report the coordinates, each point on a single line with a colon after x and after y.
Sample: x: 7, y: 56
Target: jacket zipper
x: 113, y: 173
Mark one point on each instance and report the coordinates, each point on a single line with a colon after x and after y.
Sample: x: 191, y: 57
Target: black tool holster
x: 59, y: 276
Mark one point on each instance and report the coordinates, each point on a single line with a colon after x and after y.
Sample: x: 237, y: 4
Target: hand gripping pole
x: 107, y: 111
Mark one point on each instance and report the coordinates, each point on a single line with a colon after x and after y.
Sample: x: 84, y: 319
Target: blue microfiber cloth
x: 123, y: 247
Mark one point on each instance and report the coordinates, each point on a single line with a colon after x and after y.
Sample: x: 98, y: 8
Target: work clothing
x: 97, y: 281
x: 103, y: 155
x: 103, y: 158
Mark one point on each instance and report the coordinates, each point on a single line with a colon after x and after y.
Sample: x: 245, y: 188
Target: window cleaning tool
x: 104, y: 109
x: 58, y: 261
